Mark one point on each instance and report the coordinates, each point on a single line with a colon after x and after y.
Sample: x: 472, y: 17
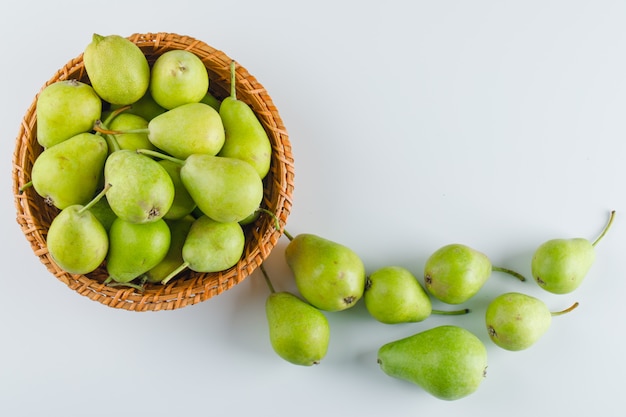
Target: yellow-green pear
x: 117, y: 69
x: 135, y: 248
x: 178, y: 77
x: 329, y: 275
x: 132, y: 140
x: 65, y: 109
x: 246, y: 138
x: 179, y: 229
x: 70, y: 172
x: 449, y: 362
x: 76, y: 240
x: 183, y: 204
x: 141, y: 189
x: 299, y: 333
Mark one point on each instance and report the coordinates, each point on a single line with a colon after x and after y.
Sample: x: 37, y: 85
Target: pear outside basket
x: 34, y: 215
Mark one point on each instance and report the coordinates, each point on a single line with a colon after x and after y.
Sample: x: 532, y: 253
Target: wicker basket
x: 34, y: 215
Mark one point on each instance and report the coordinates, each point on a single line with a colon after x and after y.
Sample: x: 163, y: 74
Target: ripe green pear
x: 393, y: 295
x: 145, y: 107
x: 225, y: 189
x: 76, y: 240
x: 141, y: 189
x: 178, y: 77
x: 65, y: 109
x: 455, y: 273
x: 211, y: 100
x: 131, y: 140
x: 70, y: 172
x: 516, y: 321
x: 329, y: 275
x: 135, y: 248
x: 560, y: 265
x: 117, y: 69
x: 103, y: 212
x: 210, y: 246
x: 246, y: 138
x: 179, y: 229
x: 183, y: 204
x: 299, y: 333
x: 194, y: 128
x: 449, y: 362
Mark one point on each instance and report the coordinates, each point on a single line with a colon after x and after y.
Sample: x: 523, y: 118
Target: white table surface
x: 414, y: 124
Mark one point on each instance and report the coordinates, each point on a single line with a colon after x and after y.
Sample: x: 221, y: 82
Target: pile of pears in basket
x: 151, y: 173
x: 447, y: 361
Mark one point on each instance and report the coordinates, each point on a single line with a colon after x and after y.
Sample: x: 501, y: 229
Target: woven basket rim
x: 33, y: 215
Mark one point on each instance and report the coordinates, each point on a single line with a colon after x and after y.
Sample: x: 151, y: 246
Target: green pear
x: 117, y: 69
x: 246, y: 138
x: 178, y: 77
x: 183, y: 204
x: 210, y: 246
x: 449, y: 362
x: 69, y: 172
x: 393, y: 295
x: 194, y: 128
x: 516, y: 321
x: 65, y: 109
x: 211, y: 100
x: 135, y: 248
x: 455, y: 273
x: 224, y: 189
x: 179, y: 229
x: 328, y: 275
x: 141, y: 189
x: 76, y: 240
x: 145, y: 107
x: 299, y: 333
x: 103, y: 212
x: 132, y: 140
x: 560, y: 265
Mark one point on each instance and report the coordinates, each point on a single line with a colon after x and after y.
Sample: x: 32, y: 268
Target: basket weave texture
x: 34, y: 215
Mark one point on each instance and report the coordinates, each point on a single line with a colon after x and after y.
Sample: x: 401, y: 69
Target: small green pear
x: 211, y: 100
x: 449, y: 362
x: 194, y: 128
x: 65, y: 109
x: 455, y: 273
x: 299, y: 333
x: 103, y: 212
x: 516, y: 321
x: 76, y: 240
x: 178, y: 77
x: 224, y: 189
x: 246, y: 138
x: 393, y: 295
x: 70, y: 172
x: 560, y: 265
x: 145, y: 107
x: 141, y: 189
x: 210, y: 246
x: 183, y: 203
x: 132, y: 140
x: 117, y: 69
x: 179, y: 229
x: 329, y: 275
x: 135, y: 248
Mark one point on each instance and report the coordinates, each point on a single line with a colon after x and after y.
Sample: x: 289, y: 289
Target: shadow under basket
x: 34, y: 215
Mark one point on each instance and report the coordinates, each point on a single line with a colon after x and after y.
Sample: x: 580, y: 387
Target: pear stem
x: 567, y: 310
x: 175, y: 272
x: 25, y: 186
x: 267, y: 278
x: 276, y: 222
x: 606, y: 228
x: 451, y: 313
x: 289, y: 236
x: 160, y: 155
x: 95, y: 199
x: 508, y: 271
x: 233, y: 91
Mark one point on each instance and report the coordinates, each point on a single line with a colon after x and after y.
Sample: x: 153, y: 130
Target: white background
x: 414, y: 124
